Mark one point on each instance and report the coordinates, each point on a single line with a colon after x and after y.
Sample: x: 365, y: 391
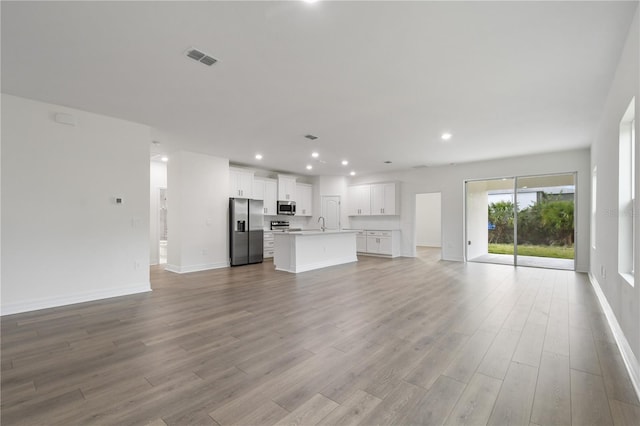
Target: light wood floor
x: 380, y: 341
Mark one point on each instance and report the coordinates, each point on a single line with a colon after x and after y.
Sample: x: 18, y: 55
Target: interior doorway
x: 522, y: 221
x: 331, y: 211
x: 158, y: 213
x: 428, y: 229
x: 162, y: 226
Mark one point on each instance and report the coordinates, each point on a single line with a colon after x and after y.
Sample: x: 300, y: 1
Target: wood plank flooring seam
x: 268, y: 347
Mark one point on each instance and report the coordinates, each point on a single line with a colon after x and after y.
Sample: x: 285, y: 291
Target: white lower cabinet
x: 268, y: 245
x: 361, y: 241
x: 381, y: 243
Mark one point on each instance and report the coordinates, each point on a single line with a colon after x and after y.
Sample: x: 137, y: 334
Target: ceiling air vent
x: 311, y: 137
x: 200, y: 56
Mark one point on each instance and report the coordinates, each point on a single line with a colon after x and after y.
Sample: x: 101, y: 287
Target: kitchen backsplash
x: 374, y: 222
x: 303, y: 222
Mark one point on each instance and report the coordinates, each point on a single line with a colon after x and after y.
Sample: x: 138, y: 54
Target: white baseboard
x: 582, y: 268
x: 53, y: 302
x: 630, y: 361
x: 388, y: 256
x: 195, y: 268
x: 453, y: 259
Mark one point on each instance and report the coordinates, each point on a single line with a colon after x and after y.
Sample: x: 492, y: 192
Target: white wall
x: 622, y: 298
x: 428, y: 218
x: 64, y: 240
x: 449, y: 181
x: 477, y: 219
x: 198, y: 211
x: 158, y: 179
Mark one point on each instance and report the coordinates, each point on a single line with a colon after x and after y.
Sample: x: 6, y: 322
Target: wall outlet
x: 136, y: 265
x: 205, y: 252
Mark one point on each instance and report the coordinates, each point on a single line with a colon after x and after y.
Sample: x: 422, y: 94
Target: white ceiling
x: 375, y: 81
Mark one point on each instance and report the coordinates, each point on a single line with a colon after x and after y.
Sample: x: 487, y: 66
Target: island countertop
x: 321, y: 232
x: 299, y: 251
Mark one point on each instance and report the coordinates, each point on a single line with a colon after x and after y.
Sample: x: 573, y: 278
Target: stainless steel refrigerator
x: 246, y: 232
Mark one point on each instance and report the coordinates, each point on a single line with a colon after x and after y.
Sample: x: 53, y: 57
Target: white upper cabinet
x: 240, y: 183
x: 383, y: 199
x: 258, y: 188
x: 359, y: 202
x: 266, y: 190
x: 304, y: 197
x: 270, y: 197
x: 286, y: 188
x: 379, y: 199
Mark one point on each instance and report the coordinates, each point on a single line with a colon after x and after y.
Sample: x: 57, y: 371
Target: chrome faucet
x: 323, y: 227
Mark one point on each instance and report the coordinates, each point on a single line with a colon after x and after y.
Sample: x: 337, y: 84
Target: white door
x: 331, y: 211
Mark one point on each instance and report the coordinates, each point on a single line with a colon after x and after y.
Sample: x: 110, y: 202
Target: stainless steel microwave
x: 287, y: 207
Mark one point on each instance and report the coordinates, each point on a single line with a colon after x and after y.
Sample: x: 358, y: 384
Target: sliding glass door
x: 490, y: 220
x: 529, y: 221
x: 545, y: 218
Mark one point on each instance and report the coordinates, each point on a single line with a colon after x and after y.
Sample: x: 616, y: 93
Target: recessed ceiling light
x: 309, y: 167
x: 446, y: 136
x: 258, y: 156
x: 345, y: 162
x: 310, y: 1
x: 164, y: 158
x: 315, y: 154
x: 352, y: 173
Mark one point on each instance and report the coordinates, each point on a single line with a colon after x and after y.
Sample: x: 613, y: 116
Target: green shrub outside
x: 548, y: 222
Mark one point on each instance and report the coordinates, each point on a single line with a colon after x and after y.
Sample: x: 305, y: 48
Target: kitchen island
x: 300, y: 251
